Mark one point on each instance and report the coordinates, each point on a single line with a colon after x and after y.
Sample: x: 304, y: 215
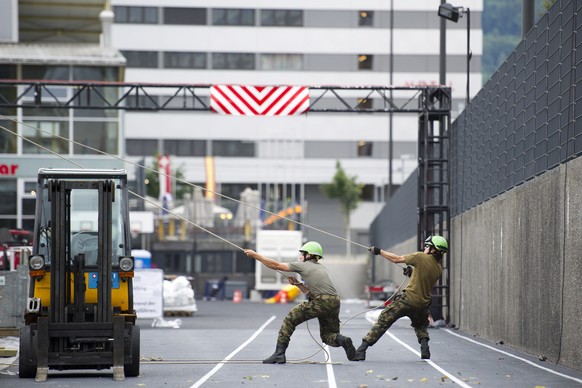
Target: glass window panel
x: 8, y: 222
x: 120, y: 14
x: 141, y: 147
x: 103, y: 136
x: 28, y: 206
x: 364, y: 148
x: 184, y: 60
x: 185, y: 147
x: 29, y: 187
x: 52, y: 135
x: 233, y: 148
x: 28, y: 223
x: 147, y: 15
x: 185, y: 16
x: 281, y: 17
x: 281, y: 62
x: 45, y: 112
x: 233, y: 61
x: 144, y: 59
x: 243, y: 264
x: 52, y: 73
x: 365, y: 62
x: 366, y: 18
x: 233, y: 17
x: 219, y: 16
x: 150, y: 15
x: 8, y: 93
x: 8, y: 141
x: 96, y: 73
x: 8, y: 196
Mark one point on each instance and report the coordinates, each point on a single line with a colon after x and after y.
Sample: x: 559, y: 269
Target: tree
x: 349, y: 194
x: 153, y: 179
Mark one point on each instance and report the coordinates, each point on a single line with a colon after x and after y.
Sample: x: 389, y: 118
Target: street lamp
x: 453, y: 14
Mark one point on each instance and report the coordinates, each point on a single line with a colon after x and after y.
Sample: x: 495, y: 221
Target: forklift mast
x: 79, y: 313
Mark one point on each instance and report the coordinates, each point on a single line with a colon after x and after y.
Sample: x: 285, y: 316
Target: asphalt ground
x: 223, y: 344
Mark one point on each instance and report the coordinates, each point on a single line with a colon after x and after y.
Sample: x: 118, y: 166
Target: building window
x: 95, y: 73
x: 364, y: 103
x: 145, y: 59
x: 185, y: 16
x: 281, y: 62
x: 8, y: 198
x: 365, y: 62
x: 8, y: 140
x: 53, y: 73
x: 364, y: 148
x: 141, y: 147
x: 233, y: 148
x: 183, y: 60
x: 140, y: 15
x: 185, y: 147
x: 366, y: 18
x: 52, y: 135
x: 233, y: 17
x: 282, y: 17
x: 102, y: 136
x: 233, y: 61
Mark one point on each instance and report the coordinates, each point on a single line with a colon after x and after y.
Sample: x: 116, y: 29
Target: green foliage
x: 153, y: 179
x: 501, y: 23
x: 345, y: 189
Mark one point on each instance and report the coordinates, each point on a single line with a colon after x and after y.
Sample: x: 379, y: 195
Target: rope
x: 167, y: 176
x: 299, y: 361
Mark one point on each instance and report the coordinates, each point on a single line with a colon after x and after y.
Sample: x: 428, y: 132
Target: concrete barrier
x: 516, y: 268
x: 13, y: 296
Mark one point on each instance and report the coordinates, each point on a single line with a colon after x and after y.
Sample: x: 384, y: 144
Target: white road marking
x: 231, y: 355
x: 516, y: 357
x: 429, y: 362
x: 329, y: 369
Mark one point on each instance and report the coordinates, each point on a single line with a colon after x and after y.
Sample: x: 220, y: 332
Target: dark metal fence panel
x: 397, y: 221
x: 525, y: 120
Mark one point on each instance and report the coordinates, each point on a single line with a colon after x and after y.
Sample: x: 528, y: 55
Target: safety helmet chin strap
x: 311, y: 257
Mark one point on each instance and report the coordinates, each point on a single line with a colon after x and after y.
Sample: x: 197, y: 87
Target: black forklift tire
x: 27, y: 354
x: 131, y: 369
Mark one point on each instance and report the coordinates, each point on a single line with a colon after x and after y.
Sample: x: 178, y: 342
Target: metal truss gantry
x: 432, y: 104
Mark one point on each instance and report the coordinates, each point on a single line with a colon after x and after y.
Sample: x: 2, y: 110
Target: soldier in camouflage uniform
x: 415, y: 299
x: 322, y: 302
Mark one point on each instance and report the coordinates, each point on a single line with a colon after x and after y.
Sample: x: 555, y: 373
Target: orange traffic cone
x: 237, y: 296
x: 283, y: 297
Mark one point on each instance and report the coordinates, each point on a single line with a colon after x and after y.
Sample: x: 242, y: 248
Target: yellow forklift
x: 79, y: 312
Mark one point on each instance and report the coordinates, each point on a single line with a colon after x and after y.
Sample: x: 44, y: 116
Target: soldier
x: 415, y: 299
x: 322, y: 301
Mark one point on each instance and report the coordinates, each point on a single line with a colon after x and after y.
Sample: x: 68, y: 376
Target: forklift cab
x: 79, y: 312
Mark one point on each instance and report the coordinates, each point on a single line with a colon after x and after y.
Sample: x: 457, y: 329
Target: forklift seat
x: 87, y: 243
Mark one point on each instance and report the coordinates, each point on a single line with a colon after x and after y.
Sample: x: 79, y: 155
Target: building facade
x: 291, y: 43
x: 286, y: 159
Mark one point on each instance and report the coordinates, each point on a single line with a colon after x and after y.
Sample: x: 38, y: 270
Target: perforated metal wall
x: 526, y: 119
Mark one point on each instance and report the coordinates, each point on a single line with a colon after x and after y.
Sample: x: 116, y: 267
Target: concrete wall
x: 516, y: 268
x: 13, y: 297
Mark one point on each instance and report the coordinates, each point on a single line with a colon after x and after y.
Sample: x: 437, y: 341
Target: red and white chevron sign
x: 244, y: 100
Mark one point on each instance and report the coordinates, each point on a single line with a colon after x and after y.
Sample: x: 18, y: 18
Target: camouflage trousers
x: 325, y: 308
x: 398, y: 309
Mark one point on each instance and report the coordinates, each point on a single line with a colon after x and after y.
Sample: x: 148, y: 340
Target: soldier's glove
x: 374, y: 250
x: 407, y: 271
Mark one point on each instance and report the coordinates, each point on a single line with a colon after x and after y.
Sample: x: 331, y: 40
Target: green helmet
x: 438, y: 242
x: 313, y: 248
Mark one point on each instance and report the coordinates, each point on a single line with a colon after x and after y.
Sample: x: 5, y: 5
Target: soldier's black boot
x: 424, y: 350
x: 346, y: 343
x: 361, y: 351
x: 279, y: 356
